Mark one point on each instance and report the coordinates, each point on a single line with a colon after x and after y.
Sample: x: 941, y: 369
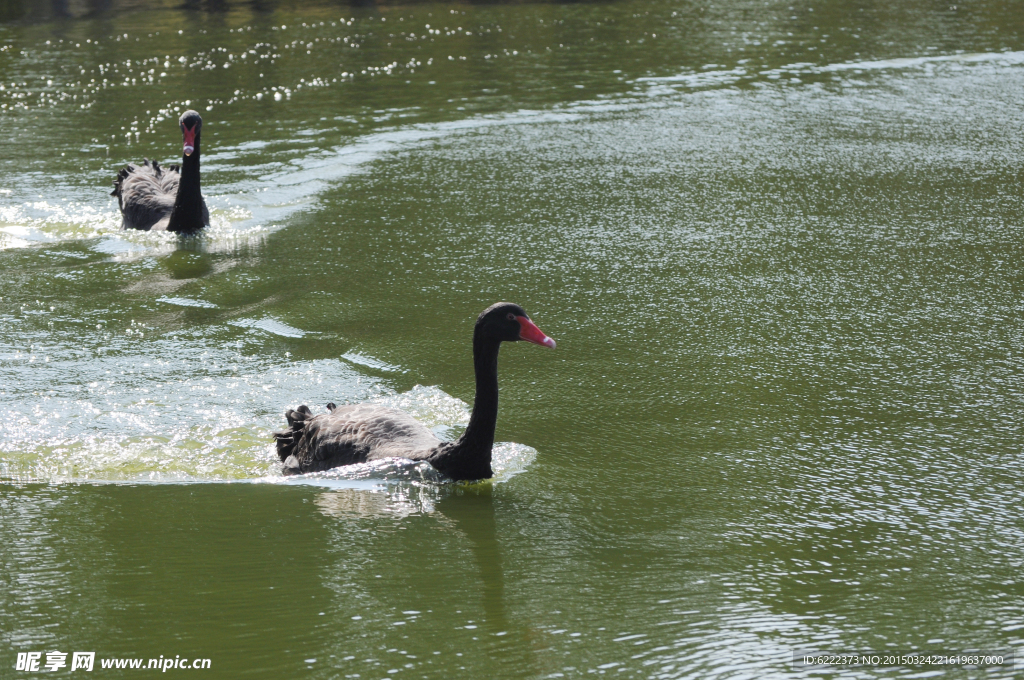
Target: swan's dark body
x: 365, y: 432
x: 155, y: 198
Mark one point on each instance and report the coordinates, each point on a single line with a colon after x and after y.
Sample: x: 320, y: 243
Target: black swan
x: 363, y: 432
x: 153, y: 198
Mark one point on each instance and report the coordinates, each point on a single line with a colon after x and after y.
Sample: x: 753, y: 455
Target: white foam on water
x: 24, y: 225
x: 719, y: 78
x: 186, y: 302
x: 39, y: 222
x: 168, y: 426
x: 370, y: 362
x: 270, y: 325
x: 1002, y: 58
x: 699, y: 78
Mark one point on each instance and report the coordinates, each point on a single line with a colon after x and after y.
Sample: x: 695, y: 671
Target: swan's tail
x: 122, y: 175
x: 287, y: 439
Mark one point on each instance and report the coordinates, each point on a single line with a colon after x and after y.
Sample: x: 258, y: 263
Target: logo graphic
x: 30, y: 661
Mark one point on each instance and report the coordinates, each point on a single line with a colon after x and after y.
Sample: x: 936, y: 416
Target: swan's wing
x: 352, y: 434
x: 171, y: 176
x: 145, y: 194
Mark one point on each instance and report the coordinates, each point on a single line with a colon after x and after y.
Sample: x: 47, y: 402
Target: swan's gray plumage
x: 146, y: 194
x: 352, y: 434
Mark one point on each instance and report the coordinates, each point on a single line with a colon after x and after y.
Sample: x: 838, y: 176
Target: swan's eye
x: 511, y: 316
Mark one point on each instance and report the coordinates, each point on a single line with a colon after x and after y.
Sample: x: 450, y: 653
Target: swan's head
x: 509, y: 322
x: 190, y: 123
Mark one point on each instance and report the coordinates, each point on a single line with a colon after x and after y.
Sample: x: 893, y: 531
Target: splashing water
x: 100, y: 436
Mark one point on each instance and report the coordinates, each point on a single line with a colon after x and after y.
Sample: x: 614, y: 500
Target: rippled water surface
x: 779, y: 245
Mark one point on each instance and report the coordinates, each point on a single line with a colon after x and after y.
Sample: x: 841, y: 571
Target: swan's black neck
x: 187, y: 214
x: 480, y: 432
x: 469, y: 457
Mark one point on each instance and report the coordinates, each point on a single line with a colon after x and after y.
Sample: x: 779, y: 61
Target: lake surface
x: 779, y: 245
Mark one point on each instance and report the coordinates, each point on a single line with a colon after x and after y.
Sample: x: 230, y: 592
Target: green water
x: 779, y: 245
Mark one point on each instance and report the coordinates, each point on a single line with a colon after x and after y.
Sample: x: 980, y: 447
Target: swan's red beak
x: 528, y: 331
x: 190, y: 139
